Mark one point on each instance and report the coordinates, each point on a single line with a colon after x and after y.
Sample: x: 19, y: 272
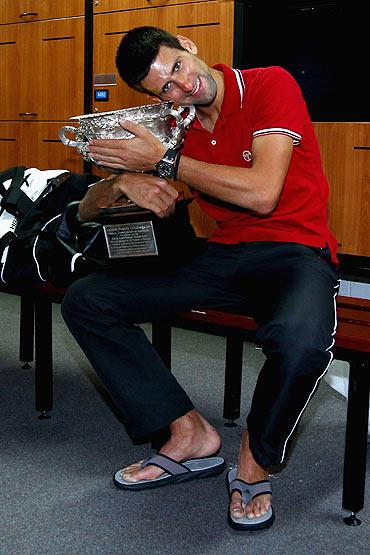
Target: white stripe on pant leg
x: 319, y: 378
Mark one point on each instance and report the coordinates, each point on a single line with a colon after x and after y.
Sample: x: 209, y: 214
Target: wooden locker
x: 24, y: 11
x: 101, y: 6
x: 10, y: 145
x: 12, y: 78
x: 345, y: 154
x: 36, y: 144
x: 41, y: 70
x: 60, y: 83
x: 41, y: 148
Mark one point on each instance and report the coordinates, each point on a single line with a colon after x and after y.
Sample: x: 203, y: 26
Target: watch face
x: 164, y: 169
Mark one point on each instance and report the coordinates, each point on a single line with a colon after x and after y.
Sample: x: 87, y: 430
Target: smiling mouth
x: 196, y: 88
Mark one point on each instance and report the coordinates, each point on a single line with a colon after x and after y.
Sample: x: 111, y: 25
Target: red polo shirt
x: 258, y: 102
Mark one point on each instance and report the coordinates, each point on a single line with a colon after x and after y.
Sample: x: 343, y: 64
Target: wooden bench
x: 352, y: 345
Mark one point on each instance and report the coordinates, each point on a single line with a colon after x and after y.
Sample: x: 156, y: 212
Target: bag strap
x: 6, y: 239
x: 14, y: 200
x: 16, y: 174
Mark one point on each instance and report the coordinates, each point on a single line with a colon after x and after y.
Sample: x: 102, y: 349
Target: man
x: 252, y: 161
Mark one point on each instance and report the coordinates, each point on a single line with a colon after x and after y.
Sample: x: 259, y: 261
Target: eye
x: 175, y: 68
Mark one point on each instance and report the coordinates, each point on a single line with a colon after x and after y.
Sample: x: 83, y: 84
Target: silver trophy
x: 129, y: 231
x: 162, y: 119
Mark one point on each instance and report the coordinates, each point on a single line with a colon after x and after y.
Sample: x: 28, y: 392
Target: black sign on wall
x: 321, y: 44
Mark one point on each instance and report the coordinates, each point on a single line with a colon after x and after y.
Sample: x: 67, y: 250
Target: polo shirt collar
x: 234, y: 89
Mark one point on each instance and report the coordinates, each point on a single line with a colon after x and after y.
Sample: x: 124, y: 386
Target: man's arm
x: 147, y: 191
x: 257, y: 188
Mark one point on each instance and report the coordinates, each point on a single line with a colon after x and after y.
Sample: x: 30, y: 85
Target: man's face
x: 180, y: 76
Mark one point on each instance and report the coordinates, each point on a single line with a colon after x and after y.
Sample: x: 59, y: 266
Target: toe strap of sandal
x: 165, y: 463
x: 250, y: 491
x: 241, y: 487
x: 259, y: 488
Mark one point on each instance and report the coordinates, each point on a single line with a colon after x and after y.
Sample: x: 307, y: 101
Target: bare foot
x: 249, y: 471
x: 191, y: 437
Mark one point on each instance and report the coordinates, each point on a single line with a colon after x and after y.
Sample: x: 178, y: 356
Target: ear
x: 188, y: 44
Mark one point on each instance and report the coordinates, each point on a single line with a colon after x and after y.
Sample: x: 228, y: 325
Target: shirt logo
x: 247, y: 155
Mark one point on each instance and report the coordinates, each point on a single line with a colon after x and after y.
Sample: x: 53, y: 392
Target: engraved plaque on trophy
x: 125, y: 240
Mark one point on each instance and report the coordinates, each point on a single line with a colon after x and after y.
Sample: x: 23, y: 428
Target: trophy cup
x: 162, y: 119
x: 127, y: 231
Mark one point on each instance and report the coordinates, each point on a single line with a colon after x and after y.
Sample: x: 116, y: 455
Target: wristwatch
x: 168, y: 165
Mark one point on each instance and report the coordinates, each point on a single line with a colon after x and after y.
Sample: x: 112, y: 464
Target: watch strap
x: 170, y: 154
x: 176, y: 167
x: 171, y: 158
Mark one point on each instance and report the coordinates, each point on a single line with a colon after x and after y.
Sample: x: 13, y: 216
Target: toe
x: 132, y: 467
x: 135, y: 473
x: 258, y: 507
x: 128, y: 473
x: 237, y: 506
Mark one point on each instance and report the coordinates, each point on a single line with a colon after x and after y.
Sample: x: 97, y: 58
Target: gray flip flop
x: 174, y: 472
x: 249, y: 491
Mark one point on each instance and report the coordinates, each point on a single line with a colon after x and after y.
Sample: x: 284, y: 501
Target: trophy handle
x: 191, y: 115
x: 175, y: 114
x: 176, y: 130
x: 181, y: 123
x: 65, y: 139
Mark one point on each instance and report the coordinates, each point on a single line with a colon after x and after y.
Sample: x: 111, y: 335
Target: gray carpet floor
x: 57, y: 495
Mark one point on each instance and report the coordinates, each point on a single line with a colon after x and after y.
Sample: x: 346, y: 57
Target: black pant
x: 289, y: 288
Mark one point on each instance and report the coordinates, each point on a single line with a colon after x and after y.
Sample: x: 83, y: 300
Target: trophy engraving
x: 130, y: 239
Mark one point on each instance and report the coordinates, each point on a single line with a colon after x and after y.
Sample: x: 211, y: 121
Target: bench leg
x: 354, y: 472
x: 26, y: 330
x: 233, y: 379
x: 43, y: 357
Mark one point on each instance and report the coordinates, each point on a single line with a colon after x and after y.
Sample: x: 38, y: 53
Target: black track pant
x: 291, y: 291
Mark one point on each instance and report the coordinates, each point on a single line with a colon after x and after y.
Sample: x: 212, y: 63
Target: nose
x: 185, y: 83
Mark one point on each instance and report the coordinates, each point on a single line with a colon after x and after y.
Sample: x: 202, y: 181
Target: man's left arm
x: 257, y: 188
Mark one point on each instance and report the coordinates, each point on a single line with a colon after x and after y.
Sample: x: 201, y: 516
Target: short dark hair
x: 138, y: 50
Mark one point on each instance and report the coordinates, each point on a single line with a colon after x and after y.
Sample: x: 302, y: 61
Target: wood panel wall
x: 345, y: 150
x: 41, y: 80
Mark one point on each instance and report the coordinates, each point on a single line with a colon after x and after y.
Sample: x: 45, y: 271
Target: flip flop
x: 174, y: 472
x: 249, y: 491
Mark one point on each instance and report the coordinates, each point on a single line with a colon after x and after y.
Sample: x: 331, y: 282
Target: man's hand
x: 100, y: 195
x: 139, y: 153
x: 147, y: 191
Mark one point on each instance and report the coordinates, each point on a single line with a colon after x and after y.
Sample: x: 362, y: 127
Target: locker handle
x: 28, y: 114
x: 26, y: 14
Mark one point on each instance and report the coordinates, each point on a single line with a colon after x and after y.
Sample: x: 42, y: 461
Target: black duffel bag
x: 50, y: 244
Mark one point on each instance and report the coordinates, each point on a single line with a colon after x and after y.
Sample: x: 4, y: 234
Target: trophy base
x: 129, y: 238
